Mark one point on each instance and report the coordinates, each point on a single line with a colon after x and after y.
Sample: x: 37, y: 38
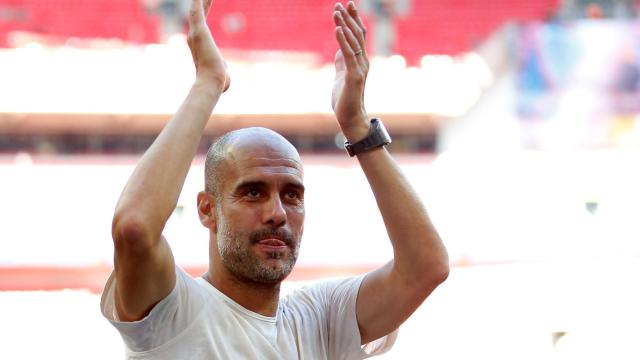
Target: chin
x: 274, y: 274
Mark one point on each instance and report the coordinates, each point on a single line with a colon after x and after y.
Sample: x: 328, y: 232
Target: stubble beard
x: 238, y: 257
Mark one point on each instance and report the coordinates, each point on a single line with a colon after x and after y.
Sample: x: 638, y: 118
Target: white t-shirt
x: 197, y: 321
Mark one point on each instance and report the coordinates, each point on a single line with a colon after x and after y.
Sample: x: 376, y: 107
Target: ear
x: 206, y: 210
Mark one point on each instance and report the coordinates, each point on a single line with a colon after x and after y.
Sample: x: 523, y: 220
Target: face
x: 260, y: 213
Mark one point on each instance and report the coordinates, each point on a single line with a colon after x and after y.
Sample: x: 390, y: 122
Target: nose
x: 274, y: 212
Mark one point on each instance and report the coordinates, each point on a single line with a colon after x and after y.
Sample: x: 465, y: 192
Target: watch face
x: 384, y: 134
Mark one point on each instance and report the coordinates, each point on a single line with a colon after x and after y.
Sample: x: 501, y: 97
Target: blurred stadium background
x: 516, y: 121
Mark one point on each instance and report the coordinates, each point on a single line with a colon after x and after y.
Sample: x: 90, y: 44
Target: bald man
x: 253, y: 208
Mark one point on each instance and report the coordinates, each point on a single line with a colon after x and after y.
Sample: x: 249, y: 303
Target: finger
x: 356, y: 49
x: 347, y: 52
x: 353, y: 11
x: 356, y: 27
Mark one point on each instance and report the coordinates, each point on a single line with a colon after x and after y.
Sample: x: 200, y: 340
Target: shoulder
x: 328, y: 289
x: 322, y: 297
x: 167, y: 319
x: 327, y: 309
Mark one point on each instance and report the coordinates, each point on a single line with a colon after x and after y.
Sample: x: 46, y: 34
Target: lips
x: 272, y: 242
x: 272, y: 238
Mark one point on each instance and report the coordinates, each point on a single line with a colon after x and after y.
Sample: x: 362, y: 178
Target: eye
x: 293, y: 195
x: 253, y: 193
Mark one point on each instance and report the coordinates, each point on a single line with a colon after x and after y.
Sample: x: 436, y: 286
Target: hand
x: 210, y: 66
x: 352, y: 66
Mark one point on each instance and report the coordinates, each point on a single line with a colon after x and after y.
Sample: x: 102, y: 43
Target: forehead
x: 263, y: 162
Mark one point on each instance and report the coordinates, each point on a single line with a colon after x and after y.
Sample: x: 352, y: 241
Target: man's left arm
x: 390, y: 294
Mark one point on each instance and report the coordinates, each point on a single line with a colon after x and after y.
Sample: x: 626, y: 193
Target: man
x: 253, y: 206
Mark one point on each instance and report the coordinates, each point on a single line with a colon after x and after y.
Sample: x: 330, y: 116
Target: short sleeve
x: 166, y: 320
x: 339, y: 297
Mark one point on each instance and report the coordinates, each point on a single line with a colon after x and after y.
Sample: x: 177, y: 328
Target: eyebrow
x: 261, y: 184
x: 249, y: 184
x: 296, y: 185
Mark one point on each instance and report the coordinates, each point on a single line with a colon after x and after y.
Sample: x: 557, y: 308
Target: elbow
x: 131, y: 233
x: 436, y: 272
x: 441, y: 274
x: 442, y: 269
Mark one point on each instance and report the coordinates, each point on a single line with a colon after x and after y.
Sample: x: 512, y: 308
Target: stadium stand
x: 452, y: 27
x: 61, y: 19
x: 431, y: 27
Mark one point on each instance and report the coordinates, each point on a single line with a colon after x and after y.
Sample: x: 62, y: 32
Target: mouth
x: 272, y: 240
x: 272, y: 245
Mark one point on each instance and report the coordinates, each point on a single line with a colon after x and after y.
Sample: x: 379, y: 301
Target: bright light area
x: 513, y: 206
x: 152, y: 79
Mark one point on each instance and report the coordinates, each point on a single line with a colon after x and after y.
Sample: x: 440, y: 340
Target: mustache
x: 280, y: 234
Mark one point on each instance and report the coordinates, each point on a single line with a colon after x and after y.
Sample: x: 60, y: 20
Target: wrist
x: 211, y: 82
x: 213, y: 87
x: 376, y: 138
x: 357, y: 129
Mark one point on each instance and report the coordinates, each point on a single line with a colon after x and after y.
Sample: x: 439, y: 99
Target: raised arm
x: 390, y: 294
x: 144, y: 265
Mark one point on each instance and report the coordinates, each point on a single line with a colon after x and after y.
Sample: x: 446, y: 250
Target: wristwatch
x: 377, y: 137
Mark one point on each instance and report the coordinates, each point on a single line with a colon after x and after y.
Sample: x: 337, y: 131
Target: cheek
x: 296, y: 219
x: 241, y: 219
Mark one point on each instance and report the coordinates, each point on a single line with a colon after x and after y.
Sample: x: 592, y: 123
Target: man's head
x: 253, y: 204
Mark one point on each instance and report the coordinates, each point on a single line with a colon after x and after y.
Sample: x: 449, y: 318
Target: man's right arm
x: 144, y: 265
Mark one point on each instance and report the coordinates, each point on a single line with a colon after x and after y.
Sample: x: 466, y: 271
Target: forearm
x: 390, y: 294
x: 152, y: 191
x: 416, y: 244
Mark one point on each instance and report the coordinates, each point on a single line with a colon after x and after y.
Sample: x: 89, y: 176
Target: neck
x: 257, y: 297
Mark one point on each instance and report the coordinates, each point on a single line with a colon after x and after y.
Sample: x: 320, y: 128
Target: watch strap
x: 377, y: 137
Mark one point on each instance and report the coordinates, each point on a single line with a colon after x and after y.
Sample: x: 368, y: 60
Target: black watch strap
x: 377, y: 137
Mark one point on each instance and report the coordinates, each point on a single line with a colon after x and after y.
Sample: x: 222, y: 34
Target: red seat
x: 432, y: 27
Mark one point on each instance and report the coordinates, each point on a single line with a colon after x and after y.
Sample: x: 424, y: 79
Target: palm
x: 338, y: 85
x: 352, y: 66
x: 347, y: 94
x: 206, y: 55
